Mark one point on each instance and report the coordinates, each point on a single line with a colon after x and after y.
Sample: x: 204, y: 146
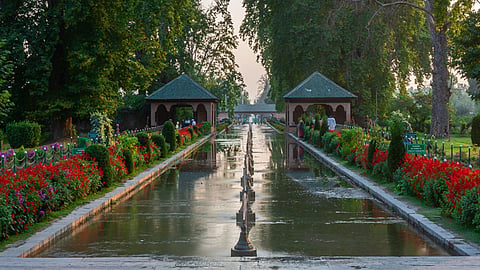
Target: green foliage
x: 70, y: 58
x: 128, y: 158
x: 372, y: 147
x: 330, y: 142
x: 317, y: 122
x: 291, y: 43
x: 209, y: 57
x: 23, y: 133
x: 192, y: 134
x: 100, y: 153
x: 476, y: 130
x: 168, y: 132
x: 467, y: 211
x: 466, y: 50
x: 144, y: 141
x: 206, y: 127
x: 434, y: 192
x: 102, y: 125
x: 159, y: 140
x: 323, y: 126
x: 396, y: 149
x: 348, y: 141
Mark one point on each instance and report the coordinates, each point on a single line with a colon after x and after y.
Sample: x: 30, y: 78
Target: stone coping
x: 73, y: 222
x: 444, y: 238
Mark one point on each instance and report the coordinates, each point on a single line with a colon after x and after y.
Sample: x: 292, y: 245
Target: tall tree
x: 466, y: 51
x: 72, y: 57
x: 441, y: 18
x: 205, y: 52
x: 339, y: 39
x: 5, y: 70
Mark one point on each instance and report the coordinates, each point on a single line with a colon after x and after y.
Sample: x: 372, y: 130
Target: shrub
x: 467, y: 211
x: 372, y: 147
x: 206, y: 127
x: 5, y: 219
x: 476, y: 130
x: 159, y: 140
x: 128, y: 158
x: 168, y: 132
x: 324, y: 126
x: 24, y: 133
x: 317, y: 122
x: 144, y: 142
x: 396, y: 150
x: 101, y: 155
x: 196, y: 129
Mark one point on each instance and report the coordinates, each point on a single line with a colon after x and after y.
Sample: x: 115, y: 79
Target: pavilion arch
x: 161, y: 115
x: 297, y: 113
x: 317, y: 89
x: 201, y: 113
x: 182, y: 92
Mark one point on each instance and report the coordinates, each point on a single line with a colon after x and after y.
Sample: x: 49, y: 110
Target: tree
x: 72, y: 57
x: 5, y: 70
x: 205, y: 52
x: 466, y: 51
x: 338, y: 38
x: 441, y: 17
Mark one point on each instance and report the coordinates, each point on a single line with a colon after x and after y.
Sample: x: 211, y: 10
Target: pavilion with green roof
x: 317, y: 89
x: 182, y: 92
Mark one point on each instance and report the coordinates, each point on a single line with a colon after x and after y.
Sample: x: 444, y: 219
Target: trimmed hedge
x: 159, y: 140
x: 128, y: 158
x: 476, y: 130
x: 168, y: 132
x: 101, y: 155
x: 24, y: 133
x: 396, y: 149
x: 144, y: 141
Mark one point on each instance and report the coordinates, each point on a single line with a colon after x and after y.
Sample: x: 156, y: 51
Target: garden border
x: 441, y: 236
x: 78, y: 217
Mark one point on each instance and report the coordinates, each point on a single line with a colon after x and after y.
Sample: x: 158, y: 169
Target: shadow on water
x: 301, y: 209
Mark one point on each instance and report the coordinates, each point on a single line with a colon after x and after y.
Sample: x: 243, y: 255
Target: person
x: 194, y: 123
x: 331, y: 123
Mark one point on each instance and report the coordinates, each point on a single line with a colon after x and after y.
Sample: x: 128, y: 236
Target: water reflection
x: 300, y: 209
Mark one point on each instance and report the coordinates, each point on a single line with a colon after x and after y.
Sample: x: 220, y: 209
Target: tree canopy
x: 340, y: 40
x: 71, y: 58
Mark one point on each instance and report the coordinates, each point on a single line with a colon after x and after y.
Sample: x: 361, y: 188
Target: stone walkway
x: 11, y: 258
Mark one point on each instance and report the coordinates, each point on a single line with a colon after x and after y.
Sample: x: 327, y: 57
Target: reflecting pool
x: 301, y: 209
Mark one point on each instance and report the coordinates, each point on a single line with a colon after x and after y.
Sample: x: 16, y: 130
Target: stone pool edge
x: 441, y: 236
x: 82, y: 214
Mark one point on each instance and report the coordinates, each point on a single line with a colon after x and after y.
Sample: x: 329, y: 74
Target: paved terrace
x: 13, y: 258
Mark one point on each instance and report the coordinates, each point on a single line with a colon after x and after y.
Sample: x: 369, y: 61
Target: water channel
x: 301, y: 209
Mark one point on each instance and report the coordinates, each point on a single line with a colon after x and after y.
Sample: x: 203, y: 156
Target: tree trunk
x: 440, y: 88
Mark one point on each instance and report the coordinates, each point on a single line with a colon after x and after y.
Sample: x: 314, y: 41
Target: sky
x: 250, y: 69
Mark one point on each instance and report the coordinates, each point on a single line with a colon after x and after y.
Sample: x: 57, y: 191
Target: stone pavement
x: 294, y: 263
x: 13, y: 257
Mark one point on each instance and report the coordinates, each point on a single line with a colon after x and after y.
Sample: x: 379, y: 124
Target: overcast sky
x: 245, y: 58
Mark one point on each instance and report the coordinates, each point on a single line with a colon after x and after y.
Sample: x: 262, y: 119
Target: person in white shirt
x: 331, y: 123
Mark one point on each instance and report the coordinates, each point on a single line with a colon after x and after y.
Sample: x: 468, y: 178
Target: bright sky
x: 244, y: 56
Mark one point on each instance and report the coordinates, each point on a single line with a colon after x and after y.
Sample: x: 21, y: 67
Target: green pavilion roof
x: 182, y: 88
x: 317, y: 86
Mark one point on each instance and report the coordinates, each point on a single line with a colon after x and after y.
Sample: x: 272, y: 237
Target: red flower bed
x: 31, y: 193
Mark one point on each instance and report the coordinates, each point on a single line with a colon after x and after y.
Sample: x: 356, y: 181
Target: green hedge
x: 24, y: 133
x: 144, y: 141
x: 159, y: 140
x: 168, y: 132
x: 100, y: 153
x: 476, y: 130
